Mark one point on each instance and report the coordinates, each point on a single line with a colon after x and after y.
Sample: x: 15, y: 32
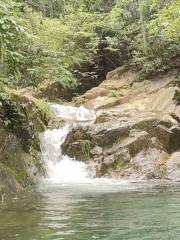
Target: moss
x: 79, y: 101
x: 109, y: 85
x: 85, y: 148
x: 118, y: 165
x: 44, y: 108
x: 21, y: 119
x: 31, y: 106
x: 113, y: 93
x: 13, y: 157
x: 8, y: 170
x: 25, y: 116
x: 17, y: 166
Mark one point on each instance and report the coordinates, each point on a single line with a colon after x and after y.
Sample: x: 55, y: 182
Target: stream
x: 93, y: 211
x: 71, y: 204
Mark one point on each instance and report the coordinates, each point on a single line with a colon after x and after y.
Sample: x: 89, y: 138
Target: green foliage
x: 148, y: 31
x: 14, y: 39
x: 24, y: 116
x: 8, y: 111
x: 58, y: 40
x: 60, y: 8
x: 163, y: 35
x: 44, y: 109
x: 85, y: 148
x: 61, y: 45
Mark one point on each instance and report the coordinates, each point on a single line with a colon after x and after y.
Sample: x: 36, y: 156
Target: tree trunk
x: 143, y: 25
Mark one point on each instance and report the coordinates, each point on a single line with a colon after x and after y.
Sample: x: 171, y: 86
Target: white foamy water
x: 76, y: 114
x: 61, y: 168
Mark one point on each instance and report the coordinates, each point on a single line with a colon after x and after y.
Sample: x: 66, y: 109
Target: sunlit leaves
x: 13, y: 40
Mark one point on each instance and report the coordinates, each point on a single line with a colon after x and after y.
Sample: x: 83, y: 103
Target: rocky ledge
x: 137, y: 131
x: 22, y: 117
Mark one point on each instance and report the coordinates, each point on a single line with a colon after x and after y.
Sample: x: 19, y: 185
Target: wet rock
x: 97, y: 151
x: 18, y: 169
x: 25, y: 116
x: 105, y: 135
x: 160, y: 170
x: 136, y: 129
x: 149, y: 163
x: 22, y: 118
x: 100, y: 169
x: 175, y: 139
x: 9, y: 184
x: 78, y: 144
x: 144, y: 161
x: 104, y: 117
x: 136, y: 142
x: 176, y: 114
x: 173, y: 167
x: 56, y: 123
x: 117, y: 161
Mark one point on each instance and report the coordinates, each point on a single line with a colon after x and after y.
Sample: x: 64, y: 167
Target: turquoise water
x: 93, y: 211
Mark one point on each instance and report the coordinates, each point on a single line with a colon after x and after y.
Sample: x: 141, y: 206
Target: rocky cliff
x: 22, y: 117
x: 137, y: 131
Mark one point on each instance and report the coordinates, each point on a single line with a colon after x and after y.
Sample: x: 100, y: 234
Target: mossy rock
x: 25, y: 116
x: 22, y: 118
x: 23, y: 168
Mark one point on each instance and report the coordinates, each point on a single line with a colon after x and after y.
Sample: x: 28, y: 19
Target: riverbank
x: 22, y: 118
x: 137, y: 131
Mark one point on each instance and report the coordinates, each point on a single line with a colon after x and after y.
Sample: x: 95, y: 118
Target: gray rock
x: 96, y: 151
x: 173, y: 167
x: 135, y: 131
x: 116, y: 74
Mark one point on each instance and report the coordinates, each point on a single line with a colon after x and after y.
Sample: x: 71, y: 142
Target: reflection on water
x: 94, y: 211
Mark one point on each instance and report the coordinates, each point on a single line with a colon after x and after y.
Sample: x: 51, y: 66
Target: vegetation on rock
x: 22, y: 117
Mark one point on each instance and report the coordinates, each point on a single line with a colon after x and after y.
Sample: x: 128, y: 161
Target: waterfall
x: 61, y: 168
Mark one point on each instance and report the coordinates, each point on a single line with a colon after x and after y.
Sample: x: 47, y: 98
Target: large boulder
x: 18, y: 169
x: 117, y: 145
x: 137, y: 127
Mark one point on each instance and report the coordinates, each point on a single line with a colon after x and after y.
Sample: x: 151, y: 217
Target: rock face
x: 173, y: 167
x: 22, y: 117
x: 54, y: 91
x: 137, y: 131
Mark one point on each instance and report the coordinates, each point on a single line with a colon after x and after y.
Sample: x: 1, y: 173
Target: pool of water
x: 93, y: 211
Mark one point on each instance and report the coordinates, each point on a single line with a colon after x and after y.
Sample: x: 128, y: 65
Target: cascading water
x: 61, y: 168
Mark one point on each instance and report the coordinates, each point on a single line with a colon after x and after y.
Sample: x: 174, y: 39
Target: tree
x: 142, y: 5
x: 14, y: 38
